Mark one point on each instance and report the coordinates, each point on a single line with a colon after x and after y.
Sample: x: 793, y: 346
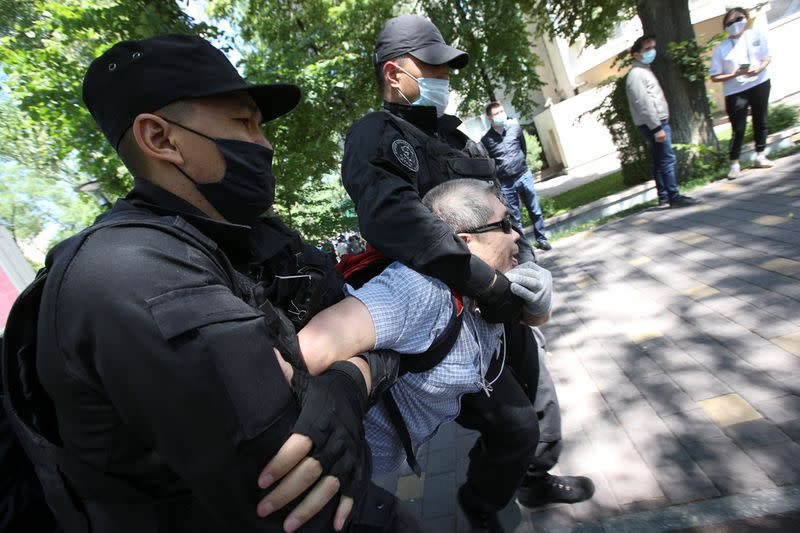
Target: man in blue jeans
x: 650, y: 113
x: 505, y: 142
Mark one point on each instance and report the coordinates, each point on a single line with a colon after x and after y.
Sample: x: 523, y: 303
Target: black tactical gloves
x: 332, y: 406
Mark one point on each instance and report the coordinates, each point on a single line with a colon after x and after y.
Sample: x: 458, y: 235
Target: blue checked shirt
x: 410, y: 311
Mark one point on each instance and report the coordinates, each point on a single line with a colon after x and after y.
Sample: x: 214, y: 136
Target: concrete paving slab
x: 790, y: 343
x: 698, y: 292
x: 780, y: 410
x: 728, y: 410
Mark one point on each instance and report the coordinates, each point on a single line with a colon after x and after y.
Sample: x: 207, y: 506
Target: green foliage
x: 45, y: 47
x: 495, y: 34
x: 701, y: 160
x: 325, y: 210
x: 693, y: 58
x: 634, y: 151
x: 782, y: 116
x: 593, y: 20
x: 534, y: 156
x: 33, y: 203
x: 323, y: 46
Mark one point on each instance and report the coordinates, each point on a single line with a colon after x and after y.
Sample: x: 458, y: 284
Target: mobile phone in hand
x: 744, y: 66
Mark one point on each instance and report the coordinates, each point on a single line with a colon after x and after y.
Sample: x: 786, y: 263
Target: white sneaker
x: 761, y: 161
x: 735, y: 172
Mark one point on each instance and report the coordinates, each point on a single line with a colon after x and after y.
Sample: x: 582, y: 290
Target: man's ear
x: 466, y: 237
x: 390, y: 71
x: 155, y: 138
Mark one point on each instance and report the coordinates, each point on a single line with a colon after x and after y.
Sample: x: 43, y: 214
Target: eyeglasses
x: 506, y: 224
x: 740, y: 18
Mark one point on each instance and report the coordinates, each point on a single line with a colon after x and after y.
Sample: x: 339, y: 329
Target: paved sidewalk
x: 675, y: 347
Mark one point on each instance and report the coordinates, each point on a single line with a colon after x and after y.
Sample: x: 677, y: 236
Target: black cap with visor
x: 419, y: 37
x: 135, y: 77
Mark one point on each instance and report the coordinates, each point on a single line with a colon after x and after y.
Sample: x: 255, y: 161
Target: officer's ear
x: 156, y: 138
x: 390, y: 72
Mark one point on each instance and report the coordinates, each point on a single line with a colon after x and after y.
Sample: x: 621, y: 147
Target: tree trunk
x: 690, y: 116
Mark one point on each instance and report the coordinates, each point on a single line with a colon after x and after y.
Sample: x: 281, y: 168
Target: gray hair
x: 463, y: 203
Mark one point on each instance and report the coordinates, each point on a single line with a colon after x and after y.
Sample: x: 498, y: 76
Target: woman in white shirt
x: 740, y: 64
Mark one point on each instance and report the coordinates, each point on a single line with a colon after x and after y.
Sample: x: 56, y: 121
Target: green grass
x: 585, y: 194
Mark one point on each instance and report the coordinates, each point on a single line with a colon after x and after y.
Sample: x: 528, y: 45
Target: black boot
x: 541, y: 490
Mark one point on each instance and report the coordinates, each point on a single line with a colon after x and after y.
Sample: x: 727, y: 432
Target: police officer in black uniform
x: 139, y: 367
x: 392, y: 158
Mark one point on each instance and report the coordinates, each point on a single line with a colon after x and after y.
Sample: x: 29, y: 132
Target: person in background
x: 740, y: 64
x: 650, y: 113
x: 505, y: 142
x: 341, y: 246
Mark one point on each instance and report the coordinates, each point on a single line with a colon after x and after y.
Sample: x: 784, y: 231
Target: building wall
x: 15, y: 274
x: 572, y: 135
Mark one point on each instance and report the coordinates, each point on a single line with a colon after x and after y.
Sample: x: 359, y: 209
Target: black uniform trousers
x: 506, y: 420
x: 548, y: 412
x: 756, y: 99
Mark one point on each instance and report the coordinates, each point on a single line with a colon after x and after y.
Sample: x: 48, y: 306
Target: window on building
x: 781, y: 9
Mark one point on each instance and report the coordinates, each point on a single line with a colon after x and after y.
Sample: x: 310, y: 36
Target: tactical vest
x: 445, y: 162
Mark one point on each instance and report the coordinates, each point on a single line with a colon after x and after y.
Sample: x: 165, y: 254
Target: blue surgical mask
x: 433, y: 92
x: 500, y: 119
x: 648, y: 57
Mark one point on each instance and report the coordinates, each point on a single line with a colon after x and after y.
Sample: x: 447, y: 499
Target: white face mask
x: 736, y: 28
x: 433, y: 92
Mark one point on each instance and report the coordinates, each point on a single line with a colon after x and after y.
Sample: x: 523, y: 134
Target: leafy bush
x: 701, y: 160
x: 634, y: 151
x: 534, y: 157
x: 781, y: 116
x: 692, y: 57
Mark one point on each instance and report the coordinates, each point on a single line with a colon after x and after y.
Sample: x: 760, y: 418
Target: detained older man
x: 406, y: 311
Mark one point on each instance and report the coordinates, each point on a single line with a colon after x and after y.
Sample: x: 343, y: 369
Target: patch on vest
x: 405, y: 153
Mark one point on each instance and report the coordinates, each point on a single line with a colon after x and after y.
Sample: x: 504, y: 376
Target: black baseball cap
x: 415, y: 35
x: 134, y: 77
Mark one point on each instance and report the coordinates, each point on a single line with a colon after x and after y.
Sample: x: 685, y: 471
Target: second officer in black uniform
x: 392, y: 158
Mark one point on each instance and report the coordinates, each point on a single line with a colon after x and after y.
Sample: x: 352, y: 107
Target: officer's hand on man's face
x: 298, y: 471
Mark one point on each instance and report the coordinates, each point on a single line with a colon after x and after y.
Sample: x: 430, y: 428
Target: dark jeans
x: 736, y: 105
x: 522, y: 187
x: 507, y: 422
x: 663, y: 163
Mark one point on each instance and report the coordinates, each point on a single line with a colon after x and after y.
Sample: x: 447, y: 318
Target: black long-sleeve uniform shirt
x: 159, y: 371
x: 391, y: 159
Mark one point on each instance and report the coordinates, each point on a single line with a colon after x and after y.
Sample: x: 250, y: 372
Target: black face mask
x: 248, y: 187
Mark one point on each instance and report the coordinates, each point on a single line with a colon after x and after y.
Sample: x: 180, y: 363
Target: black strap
x: 424, y: 361
x: 402, y: 431
x: 421, y: 363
